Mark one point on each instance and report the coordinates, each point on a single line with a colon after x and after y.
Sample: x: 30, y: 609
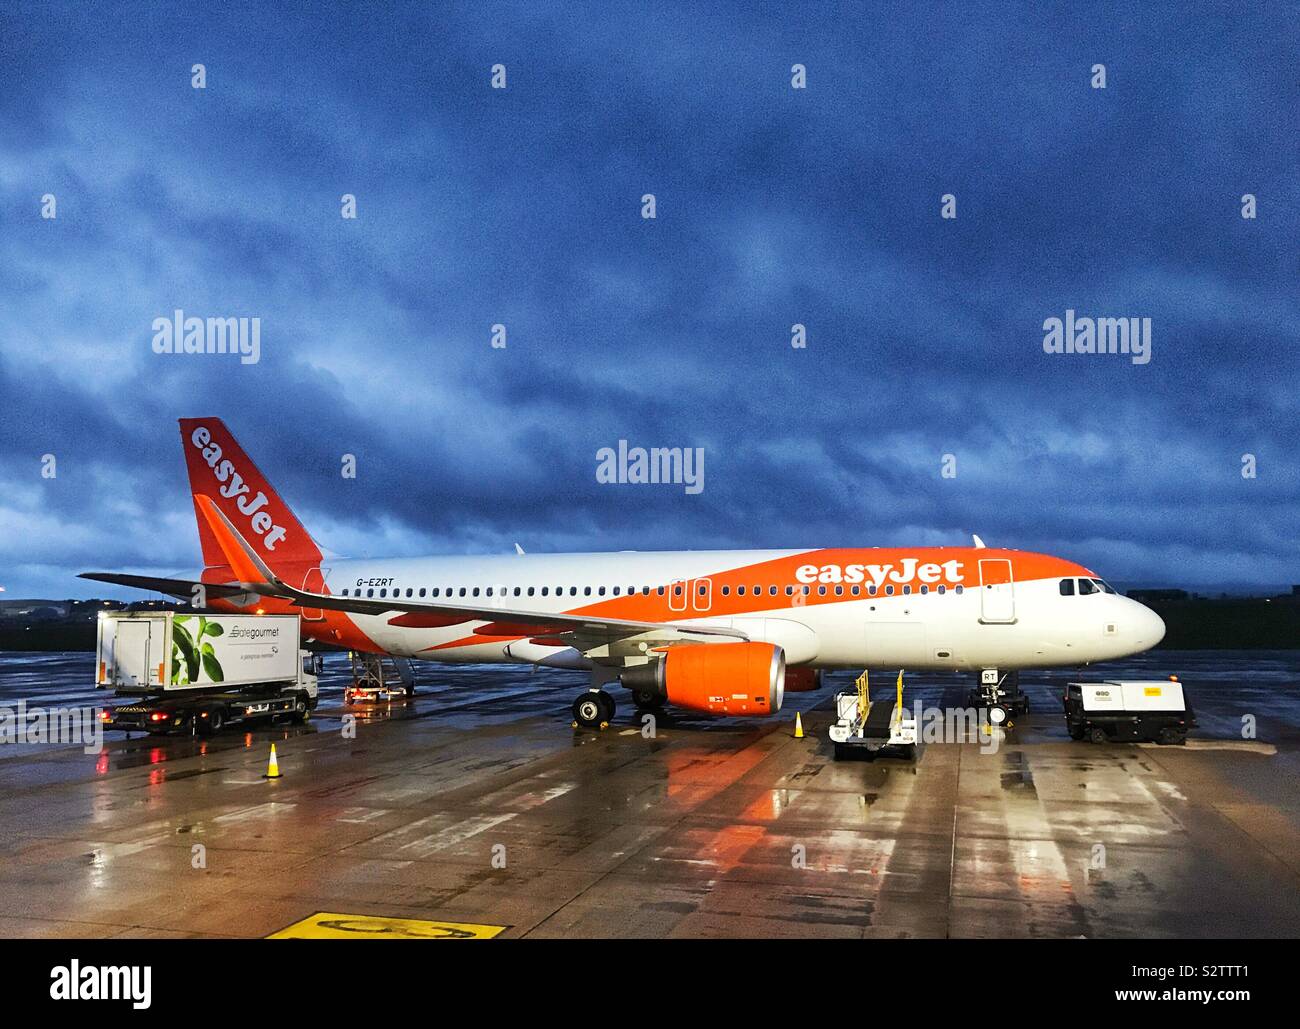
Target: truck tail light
x: 158, y: 716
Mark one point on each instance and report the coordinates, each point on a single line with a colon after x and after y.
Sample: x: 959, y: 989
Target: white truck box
x: 151, y: 652
x: 1115, y: 695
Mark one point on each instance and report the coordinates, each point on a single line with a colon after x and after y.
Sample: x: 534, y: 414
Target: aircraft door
x: 997, y: 591
x: 314, y: 582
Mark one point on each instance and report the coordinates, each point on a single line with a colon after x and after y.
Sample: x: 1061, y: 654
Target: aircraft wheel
x: 647, y: 701
x: 591, y: 711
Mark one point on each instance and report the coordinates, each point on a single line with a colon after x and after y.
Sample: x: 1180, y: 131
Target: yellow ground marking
x: 330, y: 925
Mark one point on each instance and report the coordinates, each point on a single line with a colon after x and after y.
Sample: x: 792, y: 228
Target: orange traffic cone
x: 798, y: 726
x: 272, y: 769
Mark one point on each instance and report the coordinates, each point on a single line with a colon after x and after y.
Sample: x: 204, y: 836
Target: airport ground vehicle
x: 1114, y: 710
x: 198, y: 673
x: 868, y: 726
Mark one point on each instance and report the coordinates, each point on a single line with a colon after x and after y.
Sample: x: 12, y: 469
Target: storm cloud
x: 775, y: 206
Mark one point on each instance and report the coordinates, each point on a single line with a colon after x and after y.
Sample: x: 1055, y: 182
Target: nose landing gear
x: 1001, y: 694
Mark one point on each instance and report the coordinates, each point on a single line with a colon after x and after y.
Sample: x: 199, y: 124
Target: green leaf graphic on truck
x: 192, y: 653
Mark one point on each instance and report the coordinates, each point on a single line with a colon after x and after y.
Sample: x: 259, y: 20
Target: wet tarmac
x: 478, y: 803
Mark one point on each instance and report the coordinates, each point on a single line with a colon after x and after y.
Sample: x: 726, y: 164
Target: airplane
x: 722, y: 632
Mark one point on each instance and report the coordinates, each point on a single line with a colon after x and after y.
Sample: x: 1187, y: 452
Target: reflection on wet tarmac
x: 476, y: 802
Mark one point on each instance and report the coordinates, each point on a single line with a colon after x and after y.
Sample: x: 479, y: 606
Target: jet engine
x: 717, y: 678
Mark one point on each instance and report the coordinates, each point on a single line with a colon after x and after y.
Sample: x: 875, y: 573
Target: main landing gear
x: 593, y: 710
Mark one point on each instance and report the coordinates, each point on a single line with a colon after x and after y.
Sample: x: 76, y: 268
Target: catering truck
x: 197, y: 673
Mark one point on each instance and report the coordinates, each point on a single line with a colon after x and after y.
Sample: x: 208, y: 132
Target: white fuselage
x: 955, y: 621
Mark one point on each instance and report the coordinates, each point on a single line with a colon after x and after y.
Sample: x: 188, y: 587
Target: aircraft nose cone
x: 1151, y: 627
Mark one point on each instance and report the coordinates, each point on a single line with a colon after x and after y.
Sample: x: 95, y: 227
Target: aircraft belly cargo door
x: 997, y: 591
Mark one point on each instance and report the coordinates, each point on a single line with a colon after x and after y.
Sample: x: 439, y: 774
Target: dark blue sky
x: 775, y: 206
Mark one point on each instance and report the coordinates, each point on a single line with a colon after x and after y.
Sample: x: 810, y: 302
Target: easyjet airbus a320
x: 717, y: 631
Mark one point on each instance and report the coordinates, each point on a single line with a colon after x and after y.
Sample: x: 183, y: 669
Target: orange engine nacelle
x: 803, y: 680
x: 725, y: 678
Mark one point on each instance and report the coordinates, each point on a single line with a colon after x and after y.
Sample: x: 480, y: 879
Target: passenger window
x: 857, y: 591
x: 1067, y: 587
x: 586, y: 591
x: 1086, y: 587
x: 889, y: 591
x: 383, y: 593
x: 433, y: 592
x: 661, y: 591
x: 925, y: 590
x: 617, y: 589
x: 771, y: 591
x: 839, y: 591
x: 601, y: 591
x: 907, y: 591
x: 943, y: 590
x: 573, y: 591
x: 421, y: 591
x: 957, y: 589
x: 821, y: 591
x: 370, y: 593
x: 726, y: 591
x: 871, y: 591
x: 408, y: 591
x: 740, y: 591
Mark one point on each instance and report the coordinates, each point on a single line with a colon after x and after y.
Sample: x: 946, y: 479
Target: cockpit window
x: 1086, y: 586
x: 1067, y: 587
x: 1104, y: 586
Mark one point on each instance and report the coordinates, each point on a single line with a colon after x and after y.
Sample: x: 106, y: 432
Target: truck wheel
x: 1076, y: 733
x: 1172, y: 737
x: 213, y: 724
x: 301, y: 712
x: 1097, y: 735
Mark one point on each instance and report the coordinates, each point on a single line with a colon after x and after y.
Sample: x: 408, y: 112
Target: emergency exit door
x: 997, y: 591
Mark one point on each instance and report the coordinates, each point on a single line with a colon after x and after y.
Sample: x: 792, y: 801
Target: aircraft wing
x: 183, y: 588
x: 257, y: 578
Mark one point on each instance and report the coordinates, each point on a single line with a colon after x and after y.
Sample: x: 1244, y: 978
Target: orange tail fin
x: 219, y: 469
